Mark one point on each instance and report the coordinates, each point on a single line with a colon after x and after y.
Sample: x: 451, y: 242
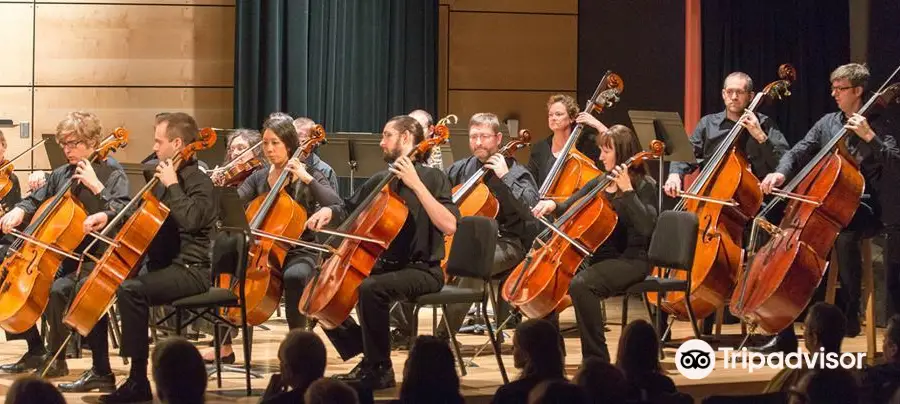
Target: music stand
x: 55, y: 155
x: 668, y: 128
x: 215, y: 155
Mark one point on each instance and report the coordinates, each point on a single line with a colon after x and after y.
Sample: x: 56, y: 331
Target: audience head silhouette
x: 638, y: 353
x: 536, y: 350
x: 31, y: 389
x: 825, y: 327
x: 891, y: 345
x: 602, y: 381
x: 430, y: 374
x: 825, y: 386
x: 330, y: 391
x: 302, y: 359
x: 557, y: 392
x: 179, y: 372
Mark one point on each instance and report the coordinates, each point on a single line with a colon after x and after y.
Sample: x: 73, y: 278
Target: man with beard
x: 409, y: 268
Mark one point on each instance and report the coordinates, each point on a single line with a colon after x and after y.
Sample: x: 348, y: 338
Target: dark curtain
x: 884, y: 40
x: 757, y: 36
x: 348, y: 64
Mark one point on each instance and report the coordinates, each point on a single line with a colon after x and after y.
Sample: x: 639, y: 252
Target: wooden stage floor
x: 477, y: 386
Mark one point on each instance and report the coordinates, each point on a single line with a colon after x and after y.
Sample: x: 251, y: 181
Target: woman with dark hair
x: 603, y: 381
x: 638, y: 358
x: 308, y: 187
x: 430, y: 374
x: 622, y: 259
x: 537, y: 353
x: 32, y: 389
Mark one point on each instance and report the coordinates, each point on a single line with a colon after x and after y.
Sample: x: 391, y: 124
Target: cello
x: 724, y: 197
x: 572, y: 169
x: 368, y: 232
x: 120, y: 260
x: 540, y: 283
x: 474, y: 198
x: 821, y: 200
x: 32, y: 261
x: 277, y: 221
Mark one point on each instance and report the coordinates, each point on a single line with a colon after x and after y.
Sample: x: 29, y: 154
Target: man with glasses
x: 763, y: 147
x: 303, y: 126
x: 874, y: 152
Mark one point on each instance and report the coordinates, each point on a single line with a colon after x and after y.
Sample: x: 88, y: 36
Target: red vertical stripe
x: 692, y: 60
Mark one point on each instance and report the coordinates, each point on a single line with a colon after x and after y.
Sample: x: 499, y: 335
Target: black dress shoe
x: 399, y: 339
x: 354, y: 373
x: 776, y: 344
x: 28, y: 362
x: 853, y: 327
x: 375, y: 378
x: 57, y: 368
x: 226, y: 360
x: 132, y: 391
x: 89, y: 381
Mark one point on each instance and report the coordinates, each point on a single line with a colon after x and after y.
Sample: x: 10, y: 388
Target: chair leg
x: 624, y: 311
x: 217, y: 345
x: 248, y: 344
x: 178, y: 322
x: 453, y: 343
x: 496, y: 345
x: 413, y: 327
x: 658, y: 323
x: 690, y: 310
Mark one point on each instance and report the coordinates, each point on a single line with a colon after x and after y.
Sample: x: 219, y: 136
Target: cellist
x: 102, y: 188
x: 562, y: 116
x: 871, y: 149
x: 622, y: 260
x: 15, y: 193
x: 515, y: 189
x: 410, y: 266
x: 765, y: 145
x: 309, y: 187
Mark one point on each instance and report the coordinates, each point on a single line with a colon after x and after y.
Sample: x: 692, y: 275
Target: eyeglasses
x: 835, y: 89
x: 732, y: 92
x: 483, y: 136
x: 71, y: 144
x: 557, y: 115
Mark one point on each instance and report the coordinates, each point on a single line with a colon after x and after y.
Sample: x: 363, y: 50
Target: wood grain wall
x: 506, y: 57
x: 123, y: 60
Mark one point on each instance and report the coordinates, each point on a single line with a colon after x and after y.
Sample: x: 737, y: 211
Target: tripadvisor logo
x: 695, y: 359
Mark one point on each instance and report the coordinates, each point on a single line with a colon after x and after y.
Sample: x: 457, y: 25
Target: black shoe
x: 399, y: 339
x: 853, y: 327
x: 57, y: 368
x: 28, y: 362
x: 226, y: 360
x: 89, y: 381
x: 353, y: 374
x: 375, y: 378
x: 776, y: 344
x: 131, y: 391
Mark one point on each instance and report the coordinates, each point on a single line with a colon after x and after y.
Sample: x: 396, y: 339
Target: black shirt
x: 111, y: 200
x: 637, y: 218
x: 184, y: 238
x: 542, y: 155
x: 420, y: 244
x: 515, y: 192
x: 311, y: 197
x: 516, y: 391
x: 712, y: 130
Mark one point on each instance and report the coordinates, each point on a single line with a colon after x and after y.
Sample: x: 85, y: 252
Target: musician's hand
x: 771, y: 181
x: 672, y: 187
x: 859, y: 125
x: 404, y: 169
x: 620, y: 175
x: 36, y: 180
x: 12, y: 219
x: 85, y: 174
x: 165, y: 171
x: 586, y: 118
x: 319, y: 219
x: 95, y: 222
x: 543, y: 208
x: 497, y: 163
x: 298, y: 171
x: 750, y: 122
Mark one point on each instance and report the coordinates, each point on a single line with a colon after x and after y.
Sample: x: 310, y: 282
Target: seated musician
x: 310, y: 188
x: 435, y: 159
x: 103, y: 190
x: 622, y: 260
x: 15, y: 192
x: 871, y: 149
x: 177, y: 263
x: 410, y: 267
x: 511, y: 183
x: 303, y: 126
x: 239, y: 141
x: 562, y: 116
x: 763, y: 147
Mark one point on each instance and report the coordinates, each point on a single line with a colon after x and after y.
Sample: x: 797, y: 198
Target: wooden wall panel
x: 131, y: 45
x: 16, y: 105
x: 16, y: 21
x: 133, y: 108
x: 170, y: 2
x: 518, y: 6
x: 529, y: 107
x: 513, y: 51
x: 443, y: 76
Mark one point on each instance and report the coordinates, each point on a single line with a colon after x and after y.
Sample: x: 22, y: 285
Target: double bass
x: 368, y: 232
x: 821, y: 200
x: 540, y: 283
x: 474, y: 198
x: 724, y: 197
x: 120, y: 260
x: 276, y: 221
x: 572, y: 169
x: 34, y: 258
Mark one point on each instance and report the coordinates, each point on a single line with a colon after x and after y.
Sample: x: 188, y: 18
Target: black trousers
x: 602, y: 279
x: 299, y: 268
x: 892, y: 266
x: 371, y: 336
x: 61, y: 293
x: 153, y: 288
